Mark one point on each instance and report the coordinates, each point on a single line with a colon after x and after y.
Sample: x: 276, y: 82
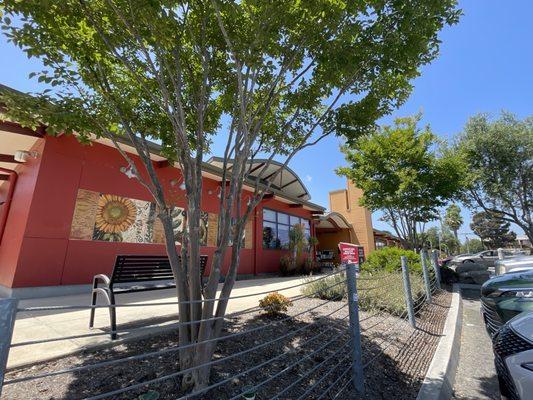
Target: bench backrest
x: 139, y: 268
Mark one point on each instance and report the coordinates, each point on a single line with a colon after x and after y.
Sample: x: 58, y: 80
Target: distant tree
x: 436, y: 238
x: 471, y: 246
x: 498, y: 157
x: 453, y: 219
x: 402, y: 174
x: 493, y: 230
x: 430, y: 238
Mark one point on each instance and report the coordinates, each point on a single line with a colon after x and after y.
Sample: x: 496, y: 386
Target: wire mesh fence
x: 336, y: 330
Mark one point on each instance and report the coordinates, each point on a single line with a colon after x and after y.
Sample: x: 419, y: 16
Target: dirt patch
x: 308, y: 356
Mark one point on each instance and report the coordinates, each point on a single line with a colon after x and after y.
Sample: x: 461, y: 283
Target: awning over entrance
x: 332, y: 221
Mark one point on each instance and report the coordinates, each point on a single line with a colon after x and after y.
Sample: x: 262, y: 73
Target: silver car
x: 487, y: 257
x: 515, y: 264
x: 513, y: 357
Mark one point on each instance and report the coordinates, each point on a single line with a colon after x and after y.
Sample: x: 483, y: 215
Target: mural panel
x: 112, y: 218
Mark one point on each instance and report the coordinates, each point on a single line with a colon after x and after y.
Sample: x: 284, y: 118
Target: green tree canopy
x: 402, y: 174
x: 472, y: 246
x: 493, y: 231
x: 498, y: 157
x: 442, y: 239
x: 453, y: 219
x: 281, y: 75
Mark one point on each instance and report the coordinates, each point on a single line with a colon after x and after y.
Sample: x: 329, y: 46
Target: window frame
x: 307, y: 228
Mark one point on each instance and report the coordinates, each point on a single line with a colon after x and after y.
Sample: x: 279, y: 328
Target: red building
x: 57, y: 197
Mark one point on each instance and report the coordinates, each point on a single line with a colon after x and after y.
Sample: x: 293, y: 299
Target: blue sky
x: 485, y: 65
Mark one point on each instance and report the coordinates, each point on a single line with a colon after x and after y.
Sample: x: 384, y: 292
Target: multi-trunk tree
x: 403, y: 175
x: 270, y: 77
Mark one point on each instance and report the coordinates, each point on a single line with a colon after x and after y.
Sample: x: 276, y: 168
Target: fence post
x: 407, y: 291
x: 355, y: 328
x: 435, y: 262
x: 500, y: 254
x: 8, y: 312
x: 427, y: 284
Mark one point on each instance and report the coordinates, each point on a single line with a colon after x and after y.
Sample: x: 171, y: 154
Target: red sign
x: 349, y: 253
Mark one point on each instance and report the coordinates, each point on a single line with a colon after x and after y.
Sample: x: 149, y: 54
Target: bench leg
x: 93, y: 303
x: 113, y: 315
x: 109, y: 296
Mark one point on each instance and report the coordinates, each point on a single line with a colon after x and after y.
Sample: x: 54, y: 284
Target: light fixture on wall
x: 128, y: 171
x: 175, y: 181
x: 219, y: 192
x: 23, y: 155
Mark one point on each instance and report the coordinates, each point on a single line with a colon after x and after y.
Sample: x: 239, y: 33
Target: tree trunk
x: 186, y: 356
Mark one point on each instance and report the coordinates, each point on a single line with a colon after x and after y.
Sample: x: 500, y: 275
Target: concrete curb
x: 440, y: 378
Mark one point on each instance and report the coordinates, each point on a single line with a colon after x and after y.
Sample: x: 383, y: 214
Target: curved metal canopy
x: 333, y: 220
x: 286, y: 181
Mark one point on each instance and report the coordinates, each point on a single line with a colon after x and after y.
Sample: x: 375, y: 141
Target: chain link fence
x: 340, y: 326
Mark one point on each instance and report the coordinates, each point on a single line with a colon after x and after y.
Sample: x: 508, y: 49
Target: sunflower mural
x: 114, y: 216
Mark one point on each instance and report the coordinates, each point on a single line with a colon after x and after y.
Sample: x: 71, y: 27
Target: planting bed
x: 400, y: 357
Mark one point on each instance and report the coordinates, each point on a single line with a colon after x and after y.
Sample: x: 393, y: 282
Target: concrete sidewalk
x: 38, y: 325
x: 476, y: 376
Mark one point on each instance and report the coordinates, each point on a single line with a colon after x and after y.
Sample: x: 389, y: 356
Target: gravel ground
x: 397, y: 358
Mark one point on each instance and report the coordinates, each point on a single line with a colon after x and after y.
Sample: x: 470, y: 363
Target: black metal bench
x: 134, y: 273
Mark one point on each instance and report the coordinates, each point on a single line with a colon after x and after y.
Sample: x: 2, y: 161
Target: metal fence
x: 330, y: 346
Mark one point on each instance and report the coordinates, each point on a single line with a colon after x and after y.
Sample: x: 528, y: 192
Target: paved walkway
x: 476, y: 377
x: 38, y: 325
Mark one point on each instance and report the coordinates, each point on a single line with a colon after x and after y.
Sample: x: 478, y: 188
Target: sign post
x: 350, y: 257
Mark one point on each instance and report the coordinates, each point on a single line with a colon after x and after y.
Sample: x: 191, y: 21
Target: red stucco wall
x: 12, y: 239
x: 37, y: 250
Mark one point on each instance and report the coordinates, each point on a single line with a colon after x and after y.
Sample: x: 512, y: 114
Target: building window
x: 276, y: 227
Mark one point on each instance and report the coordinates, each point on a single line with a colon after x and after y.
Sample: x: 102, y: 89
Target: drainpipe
x: 5, y: 209
x: 255, y: 247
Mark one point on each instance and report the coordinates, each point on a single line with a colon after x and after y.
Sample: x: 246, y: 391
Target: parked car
x: 515, y: 264
x: 504, y: 297
x: 487, y: 257
x: 513, y: 357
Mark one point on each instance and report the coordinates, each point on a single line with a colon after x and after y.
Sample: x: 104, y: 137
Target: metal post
x: 427, y: 284
x: 8, y: 312
x: 435, y: 262
x: 407, y: 291
x: 355, y: 329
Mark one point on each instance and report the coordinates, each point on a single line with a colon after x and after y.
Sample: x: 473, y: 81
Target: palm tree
x: 453, y: 219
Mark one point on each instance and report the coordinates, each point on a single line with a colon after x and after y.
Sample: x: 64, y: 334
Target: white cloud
x: 308, y: 178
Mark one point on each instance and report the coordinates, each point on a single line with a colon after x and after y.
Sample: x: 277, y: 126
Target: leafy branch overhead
x: 403, y: 173
x: 270, y: 78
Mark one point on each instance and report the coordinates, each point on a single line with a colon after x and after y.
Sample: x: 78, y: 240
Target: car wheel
x: 468, y: 262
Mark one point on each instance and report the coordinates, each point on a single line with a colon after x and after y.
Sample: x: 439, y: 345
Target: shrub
x: 275, y: 303
x: 388, y: 259
x: 311, y: 266
x: 331, y: 288
x: 287, y: 266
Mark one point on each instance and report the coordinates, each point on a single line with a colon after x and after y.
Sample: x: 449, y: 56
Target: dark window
x: 276, y: 227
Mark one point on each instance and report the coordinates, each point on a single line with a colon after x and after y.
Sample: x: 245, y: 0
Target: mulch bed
x: 398, y: 358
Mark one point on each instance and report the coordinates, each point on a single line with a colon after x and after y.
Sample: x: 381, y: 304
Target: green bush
x: 331, y: 288
x: 388, y: 260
